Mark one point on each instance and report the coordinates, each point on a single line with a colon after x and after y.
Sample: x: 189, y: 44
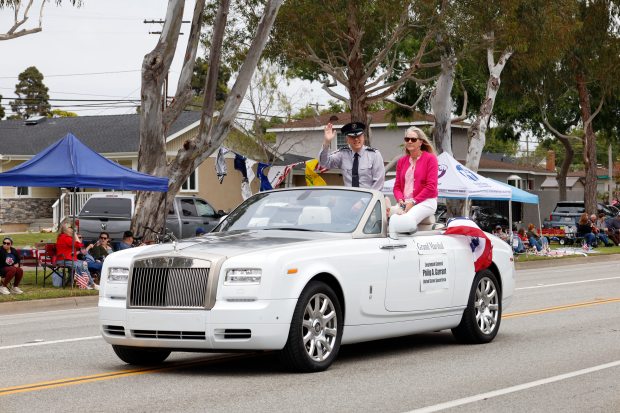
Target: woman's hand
x: 408, y: 206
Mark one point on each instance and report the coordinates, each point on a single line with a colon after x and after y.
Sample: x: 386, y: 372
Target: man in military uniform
x: 361, y: 165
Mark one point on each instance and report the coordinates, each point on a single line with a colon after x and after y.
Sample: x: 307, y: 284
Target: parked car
x: 567, y: 213
x: 300, y: 271
x: 487, y: 218
x: 112, y: 213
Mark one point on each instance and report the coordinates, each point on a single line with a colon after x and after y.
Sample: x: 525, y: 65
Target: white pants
x: 409, y: 221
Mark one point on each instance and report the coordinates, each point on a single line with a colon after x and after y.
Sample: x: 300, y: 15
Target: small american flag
x: 81, y: 280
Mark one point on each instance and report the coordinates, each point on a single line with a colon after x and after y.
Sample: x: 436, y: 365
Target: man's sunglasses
x: 410, y: 139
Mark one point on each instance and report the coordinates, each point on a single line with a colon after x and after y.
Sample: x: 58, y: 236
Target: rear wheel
x: 141, y: 356
x: 316, y: 329
x: 483, y: 315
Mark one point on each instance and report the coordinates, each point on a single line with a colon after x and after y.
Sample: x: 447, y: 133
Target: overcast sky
x: 95, y: 52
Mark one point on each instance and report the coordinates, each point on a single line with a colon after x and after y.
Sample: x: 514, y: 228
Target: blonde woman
x: 415, y: 189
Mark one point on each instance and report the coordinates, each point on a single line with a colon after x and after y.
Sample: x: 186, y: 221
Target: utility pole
x: 164, y: 102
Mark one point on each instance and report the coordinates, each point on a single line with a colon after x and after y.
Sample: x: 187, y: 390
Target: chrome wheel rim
x: 319, y: 327
x: 486, y: 305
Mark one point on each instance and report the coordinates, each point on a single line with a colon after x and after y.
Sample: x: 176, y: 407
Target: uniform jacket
x: 371, y: 169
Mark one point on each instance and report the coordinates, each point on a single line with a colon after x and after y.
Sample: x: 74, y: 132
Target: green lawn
x: 28, y: 239
x: 598, y: 251
x: 34, y: 291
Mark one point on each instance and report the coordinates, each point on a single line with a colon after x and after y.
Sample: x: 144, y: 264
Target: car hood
x: 238, y: 242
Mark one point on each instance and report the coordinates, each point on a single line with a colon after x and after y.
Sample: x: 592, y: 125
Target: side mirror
x: 221, y: 213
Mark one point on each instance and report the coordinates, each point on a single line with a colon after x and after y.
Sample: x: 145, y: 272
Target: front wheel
x: 316, y: 329
x: 483, y: 315
x: 141, y: 356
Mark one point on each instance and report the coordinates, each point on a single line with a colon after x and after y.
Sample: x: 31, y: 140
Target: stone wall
x: 25, y: 210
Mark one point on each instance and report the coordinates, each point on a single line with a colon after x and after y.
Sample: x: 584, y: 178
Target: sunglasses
x: 6, y: 243
x: 103, y: 238
x: 410, y: 139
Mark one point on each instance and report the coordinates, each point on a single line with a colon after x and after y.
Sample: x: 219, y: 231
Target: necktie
x: 355, y: 177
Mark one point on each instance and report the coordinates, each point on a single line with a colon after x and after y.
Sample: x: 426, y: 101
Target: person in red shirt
x: 67, y: 249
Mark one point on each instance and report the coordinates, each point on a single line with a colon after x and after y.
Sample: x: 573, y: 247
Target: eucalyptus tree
x: 214, y: 127
x: 21, y: 10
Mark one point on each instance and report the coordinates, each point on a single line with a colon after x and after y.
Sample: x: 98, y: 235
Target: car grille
x: 168, y: 287
x: 169, y: 335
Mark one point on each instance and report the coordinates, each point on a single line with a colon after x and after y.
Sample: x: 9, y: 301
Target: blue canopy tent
x: 519, y: 195
x: 69, y: 163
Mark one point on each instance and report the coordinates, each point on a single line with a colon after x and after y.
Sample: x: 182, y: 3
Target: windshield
x: 329, y: 210
x: 117, y: 207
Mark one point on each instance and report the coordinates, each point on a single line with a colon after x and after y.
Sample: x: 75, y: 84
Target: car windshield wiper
x: 288, y: 229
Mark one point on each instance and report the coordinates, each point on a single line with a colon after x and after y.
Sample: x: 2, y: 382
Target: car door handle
x: 393, y: 246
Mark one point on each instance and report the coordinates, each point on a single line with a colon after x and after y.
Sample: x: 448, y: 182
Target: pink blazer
x: 425, y: 177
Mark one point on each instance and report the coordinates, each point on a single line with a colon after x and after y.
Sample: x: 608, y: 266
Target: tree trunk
x: 441, y: 103
x: 563, y: 172
x: 355, y: 71
x: 211, y: 134
x: 589, y: 145
x: 477, y: 131
x: 152, y: 148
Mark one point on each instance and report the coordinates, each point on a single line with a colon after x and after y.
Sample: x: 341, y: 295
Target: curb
x: 49, y: 304
x: 566, y: 261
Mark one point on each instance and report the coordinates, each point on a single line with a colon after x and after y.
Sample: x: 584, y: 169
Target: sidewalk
x: 51, y: 304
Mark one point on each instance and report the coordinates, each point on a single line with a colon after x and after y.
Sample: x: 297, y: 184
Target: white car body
x: 387, y: 287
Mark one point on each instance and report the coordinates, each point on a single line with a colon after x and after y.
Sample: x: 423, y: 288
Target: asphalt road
x: 558, y: 350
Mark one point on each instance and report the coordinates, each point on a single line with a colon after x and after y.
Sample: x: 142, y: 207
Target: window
x: 374, y: 223
x: 190, y: 184
x: 188, y: 209
x: 341, y: 141
x: 204, y: 209
x: 515, y: 180
x: 22, y: 191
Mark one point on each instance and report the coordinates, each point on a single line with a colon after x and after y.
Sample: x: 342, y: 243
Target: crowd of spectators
x: 592, y: 231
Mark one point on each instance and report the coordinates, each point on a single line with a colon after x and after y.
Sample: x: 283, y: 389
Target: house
x: 305, y: 137
x: 117, y: 138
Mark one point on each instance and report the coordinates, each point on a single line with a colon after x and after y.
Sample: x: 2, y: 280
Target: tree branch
x: 372, y: 65
x: 464, y: 111
x: 184, y: 92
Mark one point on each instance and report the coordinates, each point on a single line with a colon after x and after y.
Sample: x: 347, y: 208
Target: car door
x: 189, y: 217
x: 420, y: 274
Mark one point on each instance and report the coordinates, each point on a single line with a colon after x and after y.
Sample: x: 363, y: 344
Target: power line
x: 80, y: 74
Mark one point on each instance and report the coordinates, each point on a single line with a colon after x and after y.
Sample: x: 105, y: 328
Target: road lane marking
x: 567, y: 283
x: 44, y: 343
x: 561, y: 308
x: 513, y: 389
x: 126, y: 373
x: 115, y: 374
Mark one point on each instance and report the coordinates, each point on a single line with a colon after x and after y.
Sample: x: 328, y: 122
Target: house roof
x: 103, y: 134
x: 489, y: 163
x: 600, y: 173
x: 379, y: 118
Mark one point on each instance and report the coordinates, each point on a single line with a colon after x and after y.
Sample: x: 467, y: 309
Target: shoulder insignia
x: 368, y: 148
x: 344, y: 148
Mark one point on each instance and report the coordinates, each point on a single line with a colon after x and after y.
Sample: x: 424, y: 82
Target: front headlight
x: 118, y: 275
x: 246, y: 276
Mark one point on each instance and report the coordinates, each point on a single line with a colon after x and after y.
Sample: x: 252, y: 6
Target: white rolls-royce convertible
x: 300, y: 271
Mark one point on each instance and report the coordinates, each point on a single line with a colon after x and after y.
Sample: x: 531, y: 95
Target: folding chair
x: 47, y: 261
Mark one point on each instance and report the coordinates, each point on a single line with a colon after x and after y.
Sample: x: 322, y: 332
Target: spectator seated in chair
x: 68, y: 246
x: 536, y: 240
x: 584, y: 230
x: 9, y: 268
x: 522, y: 242
x: 599, y: 232
x: 102, y: 247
